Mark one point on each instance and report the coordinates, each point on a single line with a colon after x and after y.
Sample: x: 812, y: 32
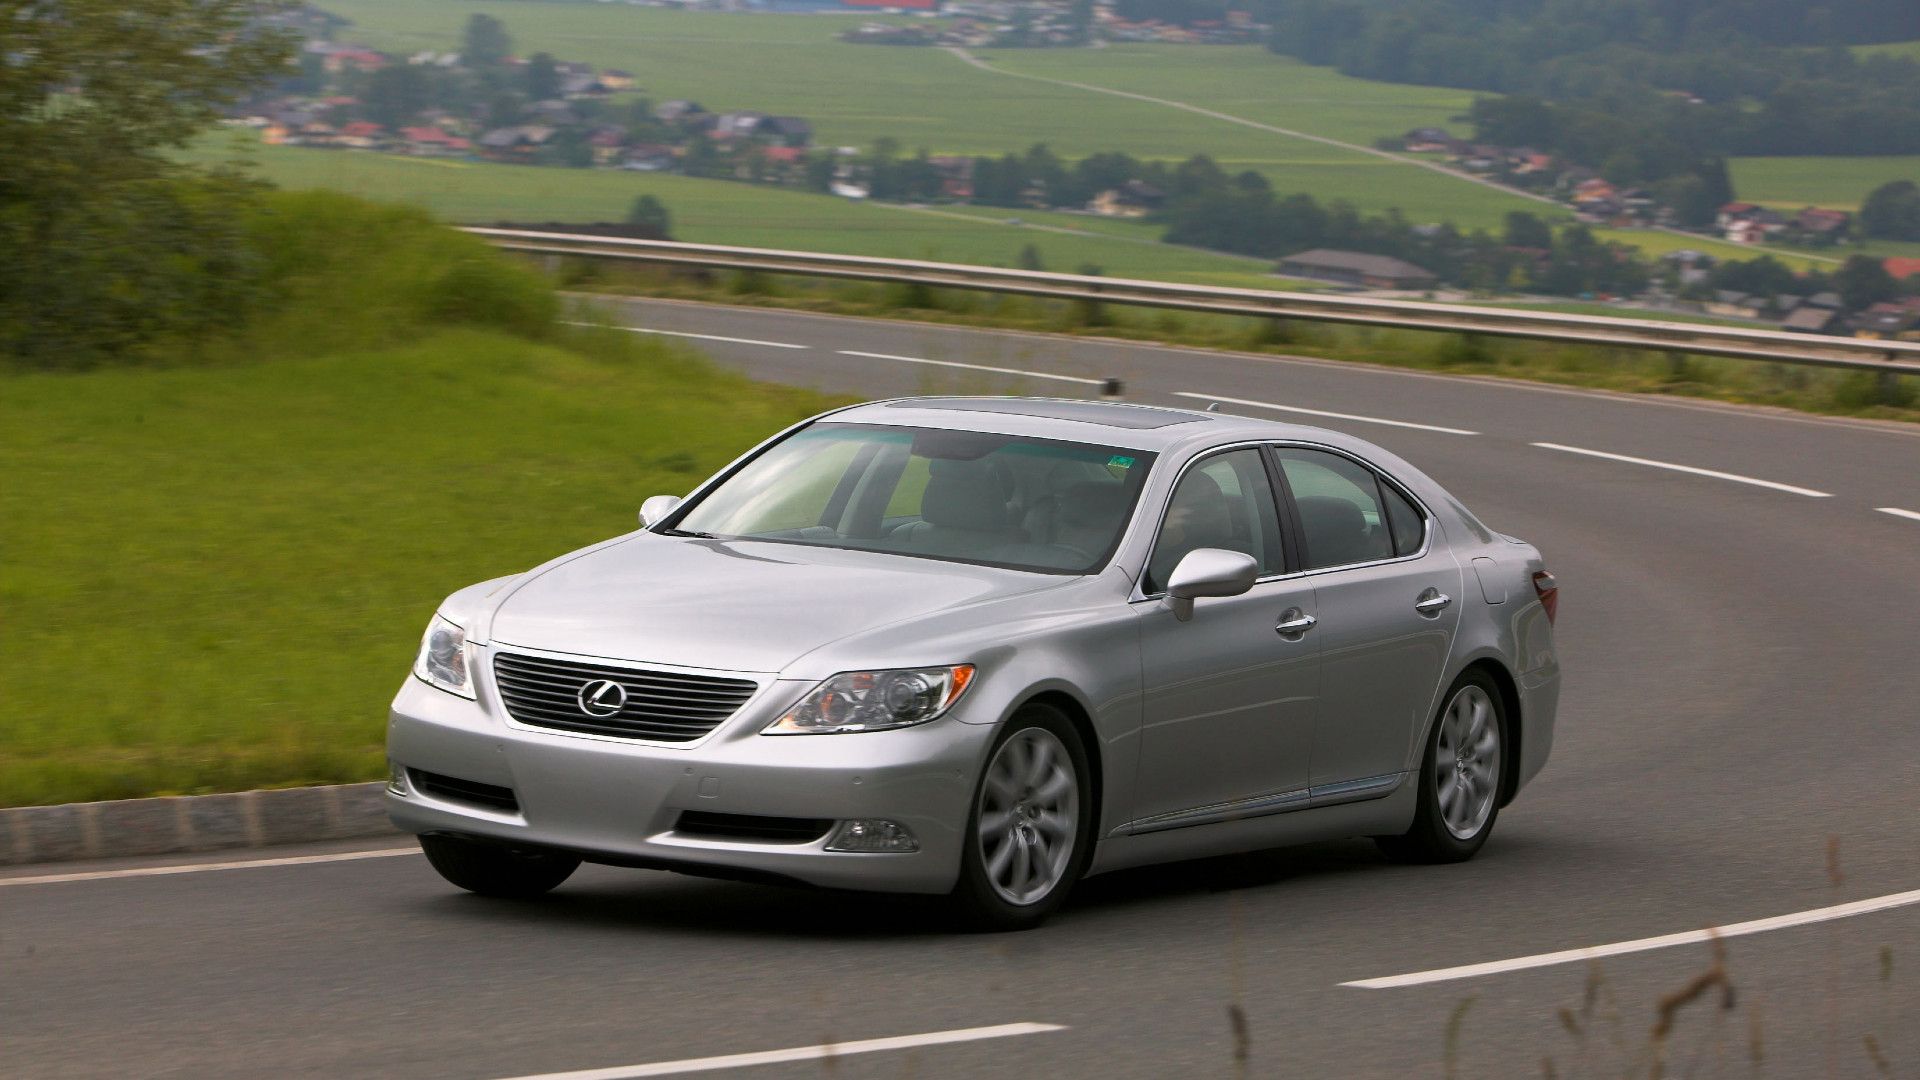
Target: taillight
x: 1548, y: 590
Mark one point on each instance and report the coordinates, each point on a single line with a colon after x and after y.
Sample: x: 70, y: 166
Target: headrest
x: 1336, y: 530
x: 964, y: 495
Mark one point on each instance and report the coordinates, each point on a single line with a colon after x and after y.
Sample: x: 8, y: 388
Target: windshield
x: 961, y: 496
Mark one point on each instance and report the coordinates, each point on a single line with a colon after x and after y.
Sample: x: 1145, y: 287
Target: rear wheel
x: 1460, y: 776
x: 1029, y: 835
x: 495, y: 869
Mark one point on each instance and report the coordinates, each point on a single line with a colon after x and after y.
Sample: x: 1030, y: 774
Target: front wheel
x: 1460, y: 776
x: 1029, y: 835
x: 495, y: 869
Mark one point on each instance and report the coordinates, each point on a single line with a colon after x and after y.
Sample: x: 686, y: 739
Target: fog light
x: 396, y: 779
x: 872, y: 834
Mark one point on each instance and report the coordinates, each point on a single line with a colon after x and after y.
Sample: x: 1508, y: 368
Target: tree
x: 1863, y: 281
x: 541, y: 79
x: 1892, y: 211
x: 110, y: 237
x: 395, y: 94
x: 651, y: 214
x: 485, y: 43
x: 1527, y: 231
x: 1030, y: 258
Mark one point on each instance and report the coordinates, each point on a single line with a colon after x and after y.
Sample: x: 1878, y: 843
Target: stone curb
x: 110, y: 830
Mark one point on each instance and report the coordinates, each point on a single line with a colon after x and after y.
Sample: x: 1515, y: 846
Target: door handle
x: 1432, y: 602
x: 1294, y: 624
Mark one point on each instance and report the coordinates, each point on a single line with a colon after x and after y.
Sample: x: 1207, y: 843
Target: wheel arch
x: 1509, y: 690
x: 1082, y: 720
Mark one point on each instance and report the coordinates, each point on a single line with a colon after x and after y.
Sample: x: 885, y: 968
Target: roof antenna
x: 1213, y: 406
x: 1112, y: 389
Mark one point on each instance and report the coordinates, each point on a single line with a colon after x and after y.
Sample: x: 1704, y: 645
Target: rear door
x: 1389, y: 594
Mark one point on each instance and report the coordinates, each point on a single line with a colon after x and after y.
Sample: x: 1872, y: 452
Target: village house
x: 1887, y: 322
x: 431, y: 141
x: 1133, y: 199
x: 1357, y: 269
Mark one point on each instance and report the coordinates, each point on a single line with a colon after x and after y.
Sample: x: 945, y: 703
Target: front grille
x: 663, y: 706
x: 471, y: 792
x: 779, y: 830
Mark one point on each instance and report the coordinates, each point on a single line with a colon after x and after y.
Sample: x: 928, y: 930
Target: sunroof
x: 1107, y: 414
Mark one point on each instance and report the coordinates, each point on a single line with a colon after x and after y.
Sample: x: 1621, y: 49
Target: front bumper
x: 620, y: 800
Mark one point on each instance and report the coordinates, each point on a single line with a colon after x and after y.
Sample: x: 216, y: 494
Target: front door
x: 1389, y: 602
x: 1229, y: 706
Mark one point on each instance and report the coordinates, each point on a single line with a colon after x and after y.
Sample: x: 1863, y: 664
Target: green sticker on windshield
x: 1118, y: 462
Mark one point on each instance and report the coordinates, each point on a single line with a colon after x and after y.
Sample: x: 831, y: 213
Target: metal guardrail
x: 1859, y: 354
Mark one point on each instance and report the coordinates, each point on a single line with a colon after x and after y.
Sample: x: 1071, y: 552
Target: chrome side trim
x: 1257, y: 806
x: 1285, y: 802
x: 1369, y: 787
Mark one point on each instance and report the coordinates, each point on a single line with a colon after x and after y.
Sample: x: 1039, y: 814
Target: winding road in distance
x: 1740, y: 626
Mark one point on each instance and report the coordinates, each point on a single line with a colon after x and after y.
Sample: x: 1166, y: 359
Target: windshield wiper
x: 688, y: 532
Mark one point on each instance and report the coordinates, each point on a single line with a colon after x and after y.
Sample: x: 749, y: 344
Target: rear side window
x: 1408, y: 524
x: 1339, y: 507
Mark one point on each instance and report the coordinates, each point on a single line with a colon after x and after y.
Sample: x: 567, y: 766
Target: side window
x: 1338, y: 502
x: 1226, y: 502
x: 1409, y: 525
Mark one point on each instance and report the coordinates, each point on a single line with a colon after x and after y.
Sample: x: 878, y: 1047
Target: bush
x: 217, y: 270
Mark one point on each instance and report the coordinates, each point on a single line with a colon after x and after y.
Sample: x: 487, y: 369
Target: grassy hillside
x: 242, y: 539
x: 1841, y: 183
x: 720, y: 212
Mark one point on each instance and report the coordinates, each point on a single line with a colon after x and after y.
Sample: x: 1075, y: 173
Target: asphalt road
x: 1743, y: 690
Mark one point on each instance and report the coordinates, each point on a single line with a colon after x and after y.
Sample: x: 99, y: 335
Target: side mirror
x: 656, y: 509
x: 1209, y: 572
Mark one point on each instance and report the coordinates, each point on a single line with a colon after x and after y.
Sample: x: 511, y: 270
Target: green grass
x: 1654, y: 243
x: 1907, y: 49
x: 723, y: 212
x: 1841, y: 183
x: 232, y: 565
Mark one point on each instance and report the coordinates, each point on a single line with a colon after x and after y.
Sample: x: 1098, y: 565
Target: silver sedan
x: 984, y: 647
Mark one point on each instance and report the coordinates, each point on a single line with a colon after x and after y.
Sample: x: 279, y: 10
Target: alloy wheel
x: 1029, y: 816
x: 1466, y: 762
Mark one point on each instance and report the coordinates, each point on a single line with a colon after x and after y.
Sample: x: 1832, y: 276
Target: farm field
x: 720, y: 212
x: 1837, y: 182
x: 930, y: 98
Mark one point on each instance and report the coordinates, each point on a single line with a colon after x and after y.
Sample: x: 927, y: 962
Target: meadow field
x: 722, y: 212
x: 1837, y: 182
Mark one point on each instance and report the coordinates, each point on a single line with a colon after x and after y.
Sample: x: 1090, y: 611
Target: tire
x: 1035, y: 794
x: 1445, y: 828
x: 509, y: 873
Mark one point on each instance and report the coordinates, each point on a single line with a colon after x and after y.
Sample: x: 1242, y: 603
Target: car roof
x: 1139, y: 427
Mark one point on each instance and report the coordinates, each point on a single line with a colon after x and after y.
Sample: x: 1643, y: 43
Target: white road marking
x: 1735, y: 477
x: 1897, y: 512
x: 822, y: 1052
x: 1325, y: 413
x: 201, y: 868
x: 702, y: 337
x: 974, y: 367
x: 1691, y: 937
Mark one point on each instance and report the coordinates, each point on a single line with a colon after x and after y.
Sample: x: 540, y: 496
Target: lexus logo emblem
x: 602, y: 697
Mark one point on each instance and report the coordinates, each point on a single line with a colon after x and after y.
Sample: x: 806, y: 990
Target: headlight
x: 875, y: 701
x: 443, y: 658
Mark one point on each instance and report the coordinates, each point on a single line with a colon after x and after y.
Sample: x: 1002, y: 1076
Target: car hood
x: 732, y: 604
